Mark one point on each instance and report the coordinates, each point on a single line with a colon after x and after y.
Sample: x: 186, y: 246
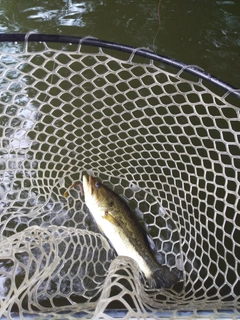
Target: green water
x: 204, y: 33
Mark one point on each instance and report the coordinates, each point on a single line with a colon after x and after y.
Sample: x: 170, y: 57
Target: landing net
x: 164, y: 136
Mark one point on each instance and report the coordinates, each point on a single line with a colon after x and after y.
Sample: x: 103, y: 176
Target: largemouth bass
x: 121, y: 227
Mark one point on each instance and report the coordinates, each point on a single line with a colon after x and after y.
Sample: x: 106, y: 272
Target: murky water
x: 203, y: 33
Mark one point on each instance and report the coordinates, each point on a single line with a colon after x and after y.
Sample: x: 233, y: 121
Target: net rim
x: 134, y: 51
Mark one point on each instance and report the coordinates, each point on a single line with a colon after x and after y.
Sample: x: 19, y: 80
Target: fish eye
x: 97, y: 184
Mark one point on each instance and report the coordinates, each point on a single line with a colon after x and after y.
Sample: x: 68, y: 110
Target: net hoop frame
x: 143, y: 52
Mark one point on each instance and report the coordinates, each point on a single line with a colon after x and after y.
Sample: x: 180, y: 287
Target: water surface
x: 203, y: 33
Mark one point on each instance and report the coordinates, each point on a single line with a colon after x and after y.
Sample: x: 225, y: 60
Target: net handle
x: 90, y: 41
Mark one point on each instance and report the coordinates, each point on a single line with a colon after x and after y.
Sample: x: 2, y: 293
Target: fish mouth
x: 88, y: 184
x: 85, y: 183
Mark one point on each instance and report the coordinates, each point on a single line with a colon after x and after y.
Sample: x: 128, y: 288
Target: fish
x: 118, y: 223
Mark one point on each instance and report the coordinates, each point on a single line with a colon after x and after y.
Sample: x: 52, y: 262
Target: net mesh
x: 164, y: 141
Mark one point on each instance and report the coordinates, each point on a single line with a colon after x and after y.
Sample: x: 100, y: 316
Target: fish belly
x: 122, y: 244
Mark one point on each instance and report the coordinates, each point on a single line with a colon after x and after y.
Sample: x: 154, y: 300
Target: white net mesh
x: 163, y: 141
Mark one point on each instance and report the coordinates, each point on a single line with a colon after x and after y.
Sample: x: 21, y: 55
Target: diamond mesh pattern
x: 166, y: 144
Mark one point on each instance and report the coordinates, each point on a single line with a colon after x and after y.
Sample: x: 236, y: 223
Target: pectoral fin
x: 109, y: 217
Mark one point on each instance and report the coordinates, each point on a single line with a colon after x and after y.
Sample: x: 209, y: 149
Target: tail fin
x: 163, y: 278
